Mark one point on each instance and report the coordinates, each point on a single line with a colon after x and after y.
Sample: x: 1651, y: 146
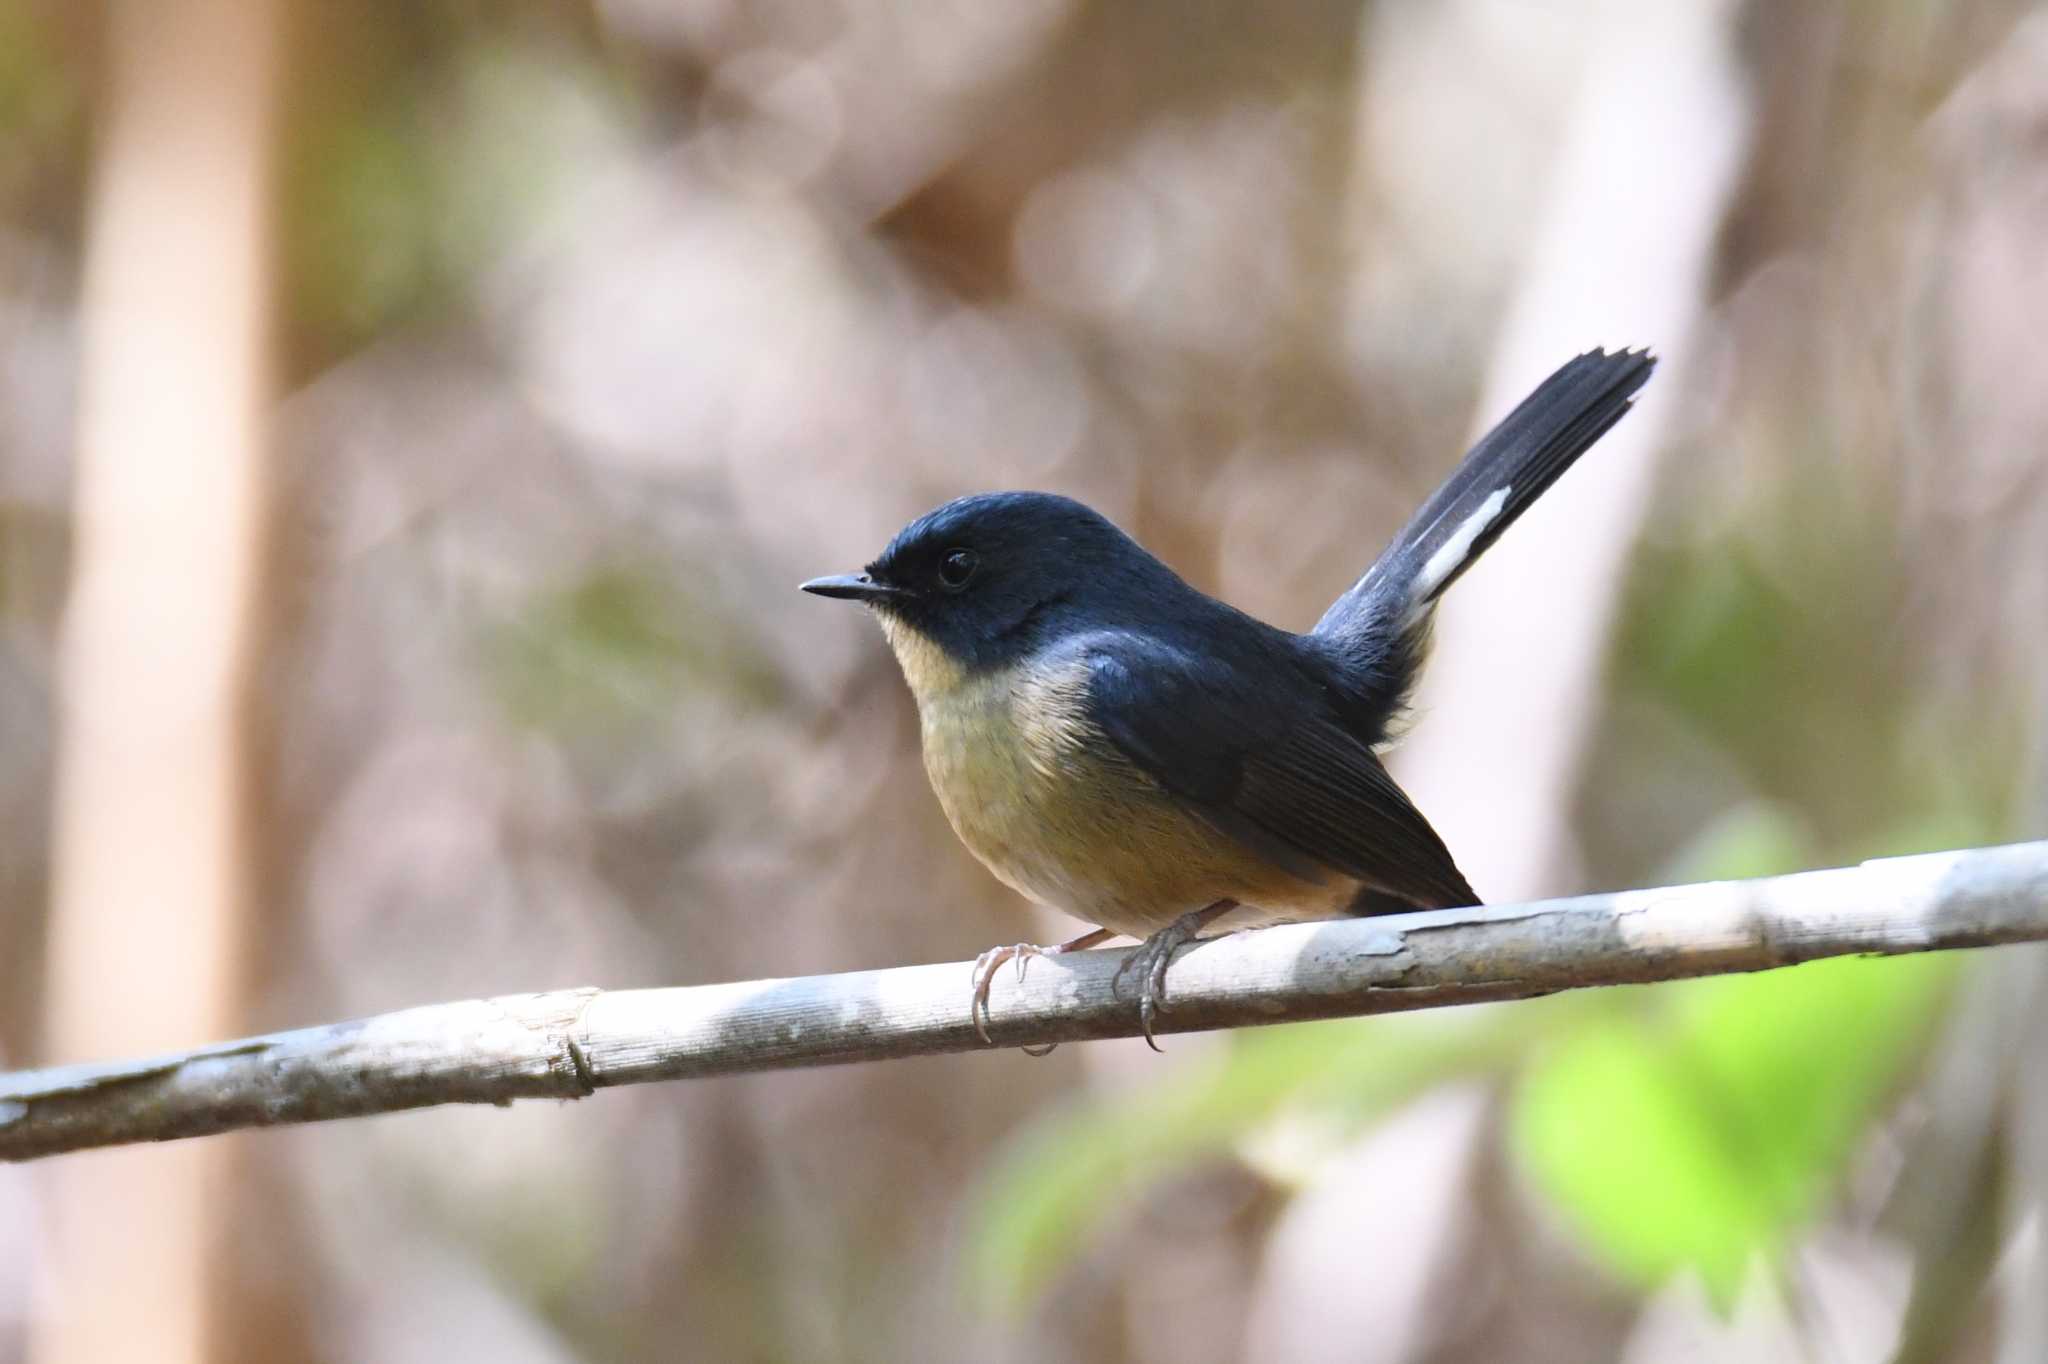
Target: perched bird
x: 1113, y: 743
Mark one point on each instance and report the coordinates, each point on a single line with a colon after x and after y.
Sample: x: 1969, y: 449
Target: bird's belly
x: 1046, y: 804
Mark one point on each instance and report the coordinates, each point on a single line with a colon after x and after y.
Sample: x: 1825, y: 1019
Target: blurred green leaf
x: 1703, y: 1132
x: 364, y: 201
x: 1609, y: 1132
x: 412, y: 174
x: 1705, y: 1138
x: 35, y: 89
x: 1757, y: 839
x: 1776, y: 642
x: 611, y: 652
x: 1067, y: 1173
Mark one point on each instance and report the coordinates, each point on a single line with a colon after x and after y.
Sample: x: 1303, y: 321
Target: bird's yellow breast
x: 1042, y: 797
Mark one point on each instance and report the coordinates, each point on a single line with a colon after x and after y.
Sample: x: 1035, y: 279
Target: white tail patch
x: 1450, y: 557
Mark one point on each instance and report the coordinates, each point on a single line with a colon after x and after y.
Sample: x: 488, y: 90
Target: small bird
x: 1113, y: 743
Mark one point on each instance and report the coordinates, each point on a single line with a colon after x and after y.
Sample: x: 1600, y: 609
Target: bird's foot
x: 1151, y: 958
x: 985, y: 967
x: 988, y: 963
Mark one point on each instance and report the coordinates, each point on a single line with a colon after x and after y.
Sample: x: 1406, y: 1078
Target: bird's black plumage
x: 1258, y: 739
x: 1067, y: 680
x: 1380, y: 625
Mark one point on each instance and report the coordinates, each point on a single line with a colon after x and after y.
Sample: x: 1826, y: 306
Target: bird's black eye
x: 956, y: 567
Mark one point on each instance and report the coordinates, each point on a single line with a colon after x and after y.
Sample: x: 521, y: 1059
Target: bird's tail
x: 1382, y: 621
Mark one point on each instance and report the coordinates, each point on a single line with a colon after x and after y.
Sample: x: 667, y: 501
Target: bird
x: 1112, y: 742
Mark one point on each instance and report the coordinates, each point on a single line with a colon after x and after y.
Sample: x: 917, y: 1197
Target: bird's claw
x: 987, y: 963
x: 1150, y: 960
x: 985, y: 967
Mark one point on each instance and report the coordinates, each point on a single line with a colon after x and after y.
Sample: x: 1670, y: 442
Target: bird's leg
x: 986, y: 964
x: 1151, y: 958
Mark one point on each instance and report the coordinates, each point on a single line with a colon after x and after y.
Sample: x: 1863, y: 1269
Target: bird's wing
x: 1265, y: 763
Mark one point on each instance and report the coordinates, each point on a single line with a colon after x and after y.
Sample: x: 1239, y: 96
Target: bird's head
x: 982, y: 581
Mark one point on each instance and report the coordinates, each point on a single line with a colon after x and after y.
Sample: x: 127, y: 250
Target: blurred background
x: 414, y: 419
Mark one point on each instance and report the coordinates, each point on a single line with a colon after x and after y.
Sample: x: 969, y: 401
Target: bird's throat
x: 933, y: 674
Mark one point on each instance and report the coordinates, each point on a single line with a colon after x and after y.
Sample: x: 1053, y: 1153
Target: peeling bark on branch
x: 567, y: 1044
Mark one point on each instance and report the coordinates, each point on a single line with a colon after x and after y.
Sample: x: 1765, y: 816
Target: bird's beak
x: 851, y: 587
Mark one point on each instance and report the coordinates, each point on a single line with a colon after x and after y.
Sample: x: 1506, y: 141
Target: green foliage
x: 411, y: 176
x: 36, y: 96
x: 1705, y: 1123
x: 43, y: 127
x: 1071, y: 1170
x: 362, y: 227
x: 1703, y: 1135
x: 611, y: 652
x: 1779, y: 645
x: 1701, y: 1128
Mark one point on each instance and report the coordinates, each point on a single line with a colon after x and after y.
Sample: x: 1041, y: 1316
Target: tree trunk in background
x: 151, y: 845
x: 1621, y: 257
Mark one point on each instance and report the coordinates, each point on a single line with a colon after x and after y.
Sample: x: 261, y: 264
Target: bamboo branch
x: 566, y: 1044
